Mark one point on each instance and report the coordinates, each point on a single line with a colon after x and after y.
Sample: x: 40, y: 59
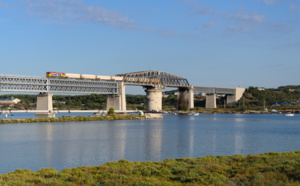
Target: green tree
x: 111, y: 111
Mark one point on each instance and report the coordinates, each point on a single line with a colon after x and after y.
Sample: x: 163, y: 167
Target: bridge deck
x: 214, y: 90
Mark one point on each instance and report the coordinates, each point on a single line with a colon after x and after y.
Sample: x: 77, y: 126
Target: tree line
x: 253, y: 96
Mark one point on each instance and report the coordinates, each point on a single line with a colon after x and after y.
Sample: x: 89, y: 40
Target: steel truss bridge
x: 154, y: 79
x: 57, y: 85
x: 157, y: 79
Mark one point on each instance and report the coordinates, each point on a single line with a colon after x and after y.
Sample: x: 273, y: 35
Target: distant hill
x: 288, y: 94
x: 289, y: 87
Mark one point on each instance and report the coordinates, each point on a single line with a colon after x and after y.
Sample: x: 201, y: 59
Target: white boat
x: 193, y: 114
x: 289, y: 114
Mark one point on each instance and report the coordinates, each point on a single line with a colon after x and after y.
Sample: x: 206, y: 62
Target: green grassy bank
x: 74, y: 118
x: 265, y: 169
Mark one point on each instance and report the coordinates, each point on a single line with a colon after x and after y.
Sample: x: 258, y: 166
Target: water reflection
x: 72, y: 144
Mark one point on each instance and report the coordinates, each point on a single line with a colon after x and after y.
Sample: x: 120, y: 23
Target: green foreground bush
x: 68, y: 118
x: 265, y: 169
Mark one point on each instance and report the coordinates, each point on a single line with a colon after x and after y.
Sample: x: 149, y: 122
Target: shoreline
x: 260, y: 169
x: 116, y: 117
x: 73, y: 118
x: 252, y: 112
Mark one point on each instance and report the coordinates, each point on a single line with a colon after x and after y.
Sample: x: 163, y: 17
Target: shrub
x: 111, y: 111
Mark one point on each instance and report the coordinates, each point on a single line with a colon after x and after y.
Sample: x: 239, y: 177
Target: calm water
x: 73, y: 144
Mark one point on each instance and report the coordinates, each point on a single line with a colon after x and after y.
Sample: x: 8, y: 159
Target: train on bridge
x: 101, y: 77
x: 82, y: 76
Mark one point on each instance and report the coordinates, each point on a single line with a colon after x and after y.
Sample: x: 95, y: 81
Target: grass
x: 68, y: 119
x: 265, y: 169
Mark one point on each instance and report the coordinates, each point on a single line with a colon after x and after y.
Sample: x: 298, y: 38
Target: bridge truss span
x: 82, y: 86
x: 23, y: 84
x: 154, y: 79
x: 57, y: 85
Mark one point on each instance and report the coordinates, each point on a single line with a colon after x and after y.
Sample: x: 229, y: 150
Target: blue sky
x: 211, y: 43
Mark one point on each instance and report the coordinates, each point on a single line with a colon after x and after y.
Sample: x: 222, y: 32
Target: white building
x: 8, y: 101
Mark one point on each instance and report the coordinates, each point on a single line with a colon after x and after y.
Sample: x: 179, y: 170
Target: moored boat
x: 193, y: 114
x: 289, y: 114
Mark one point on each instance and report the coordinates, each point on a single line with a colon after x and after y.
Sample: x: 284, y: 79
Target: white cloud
x: 244, y: 21
x: 208, y: 24
x: 249, y: 18
x: 294, y: 8
x: 269, y: 2
x: 2, y: 4
x: 204, y: 11
x: 76, y: 10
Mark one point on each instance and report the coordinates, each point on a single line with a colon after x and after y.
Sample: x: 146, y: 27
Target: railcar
x: 55, y: 74
x: 103, y: 77
x: 116, y: 78
x: 83, y: 76
x: 87, y: 76
x: 69, y: 75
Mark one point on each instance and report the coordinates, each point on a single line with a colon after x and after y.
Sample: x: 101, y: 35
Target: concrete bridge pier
x: 210, y: 101
x: 230, y: 99
x: 118, y: 102
x: 185, y: 98
x: 44, y: 102
x: 154, y: 99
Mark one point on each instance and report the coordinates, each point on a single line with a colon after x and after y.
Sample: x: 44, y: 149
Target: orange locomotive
x: 55, y: 74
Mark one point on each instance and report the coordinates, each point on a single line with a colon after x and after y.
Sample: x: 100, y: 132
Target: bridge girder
x: 57, y: 85
x: 154, y: 79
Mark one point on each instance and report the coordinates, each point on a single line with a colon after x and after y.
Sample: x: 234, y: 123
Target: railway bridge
x: 153, y: 82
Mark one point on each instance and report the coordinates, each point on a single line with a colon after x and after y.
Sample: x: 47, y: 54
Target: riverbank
x: 73, y: 118
x: 241, y: 111
x: 265, y: 169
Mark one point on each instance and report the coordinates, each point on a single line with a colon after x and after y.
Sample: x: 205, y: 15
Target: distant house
x: 294, y: 90
x: 8, y: 101
x: 261, y: 88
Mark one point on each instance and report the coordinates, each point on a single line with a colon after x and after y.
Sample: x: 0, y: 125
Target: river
x: 72, y: 144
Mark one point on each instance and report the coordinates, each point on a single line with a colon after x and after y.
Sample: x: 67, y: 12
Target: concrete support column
x: 191, y: 98
x: 123, y: 96
x: 185, y: 98
x: 154, y: 99
x: 118, y: 102
x: 211, y: 101
x: 230, y: 99
x: 44, y: 102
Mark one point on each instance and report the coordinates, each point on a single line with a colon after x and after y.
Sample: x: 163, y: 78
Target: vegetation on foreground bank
x: 265, y: 169
x: 73, y: 118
